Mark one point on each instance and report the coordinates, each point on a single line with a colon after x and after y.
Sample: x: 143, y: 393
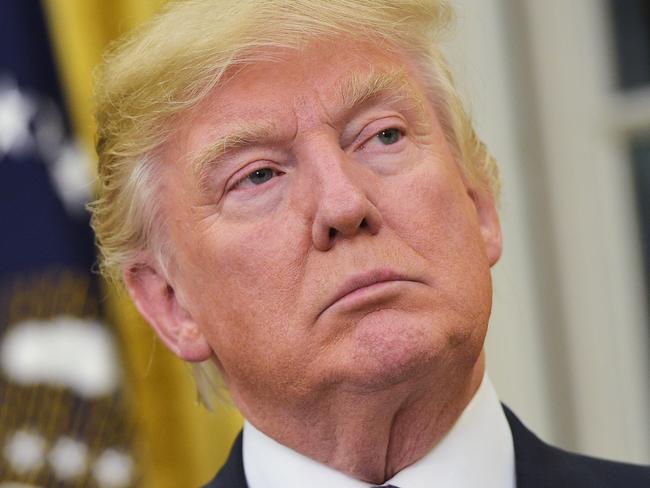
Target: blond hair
x: 174, y: 61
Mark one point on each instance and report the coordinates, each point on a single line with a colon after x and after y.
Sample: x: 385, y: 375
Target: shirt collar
x: 477, y: 451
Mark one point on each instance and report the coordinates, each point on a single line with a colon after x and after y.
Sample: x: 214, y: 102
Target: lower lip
x: 362, y: 296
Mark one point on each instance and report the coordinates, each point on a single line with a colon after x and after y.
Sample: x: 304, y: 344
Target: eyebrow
x: 355, y: 91
x: 238, y: 137
x: 393, y: 86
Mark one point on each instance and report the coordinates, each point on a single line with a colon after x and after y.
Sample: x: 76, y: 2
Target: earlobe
x: 158, y: 303
x: 488, y: 219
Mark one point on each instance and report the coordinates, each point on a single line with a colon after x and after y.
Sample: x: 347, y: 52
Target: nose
x: 343, y: 208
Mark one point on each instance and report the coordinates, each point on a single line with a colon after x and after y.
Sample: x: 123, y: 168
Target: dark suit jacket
x: 538, y: 465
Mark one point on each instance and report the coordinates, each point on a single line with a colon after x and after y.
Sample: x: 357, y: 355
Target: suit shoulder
x: 540, y: 465
x: 606, y: 473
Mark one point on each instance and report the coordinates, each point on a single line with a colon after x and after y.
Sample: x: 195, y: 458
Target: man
x: 292, y: 190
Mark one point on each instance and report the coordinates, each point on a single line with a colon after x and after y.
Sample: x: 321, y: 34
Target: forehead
x: 310, y: 85
x: 322, y: 66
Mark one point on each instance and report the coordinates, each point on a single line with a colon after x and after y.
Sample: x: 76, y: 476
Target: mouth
x: 364, y: 284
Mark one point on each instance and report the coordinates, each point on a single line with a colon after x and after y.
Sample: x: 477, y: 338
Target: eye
x: 260, y: 176
x: 255, y: 178
x: 389, y: 136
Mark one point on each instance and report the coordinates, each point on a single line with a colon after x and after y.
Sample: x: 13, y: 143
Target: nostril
x: 332, y: 232
x: 363, y: 224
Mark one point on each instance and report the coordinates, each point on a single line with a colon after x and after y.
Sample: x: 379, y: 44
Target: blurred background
x: 560, y: 92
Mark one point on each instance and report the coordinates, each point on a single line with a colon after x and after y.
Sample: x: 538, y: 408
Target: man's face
x: 335, y: 245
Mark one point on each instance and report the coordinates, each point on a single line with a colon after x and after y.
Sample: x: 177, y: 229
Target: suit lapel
x: 539, y: 465
x: 231, y: 475
x: 529, y: 454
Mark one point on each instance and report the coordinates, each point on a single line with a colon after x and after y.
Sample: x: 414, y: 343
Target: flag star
x: 16, y: 111
x: 71, y: 176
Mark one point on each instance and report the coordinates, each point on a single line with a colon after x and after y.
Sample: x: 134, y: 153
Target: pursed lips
x: 364, y: 280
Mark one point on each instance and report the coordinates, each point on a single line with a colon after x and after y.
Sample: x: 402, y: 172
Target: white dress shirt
x: 477, y: 451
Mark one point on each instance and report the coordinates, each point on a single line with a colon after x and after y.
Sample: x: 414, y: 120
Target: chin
x: 392, y: 347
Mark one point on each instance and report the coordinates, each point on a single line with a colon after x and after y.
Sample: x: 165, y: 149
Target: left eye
x: 389, y: 136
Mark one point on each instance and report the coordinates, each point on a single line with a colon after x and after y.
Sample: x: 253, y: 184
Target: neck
x: 375, y: 435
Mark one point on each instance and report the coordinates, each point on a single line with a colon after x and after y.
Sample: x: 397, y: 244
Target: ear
x: 156, y: 300
x: 489, y: 224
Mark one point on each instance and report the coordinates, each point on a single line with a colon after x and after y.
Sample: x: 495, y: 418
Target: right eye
x: 389, y: 136
x: 256, y: 177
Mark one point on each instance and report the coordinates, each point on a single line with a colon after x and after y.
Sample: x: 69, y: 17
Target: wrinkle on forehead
x: 387, y: 81
x: 309, y: 110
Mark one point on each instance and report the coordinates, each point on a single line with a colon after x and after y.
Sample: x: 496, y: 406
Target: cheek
x: 244, y: 280
x: 261, y: 260
x: 430, y: 209
x: 437, y: 219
